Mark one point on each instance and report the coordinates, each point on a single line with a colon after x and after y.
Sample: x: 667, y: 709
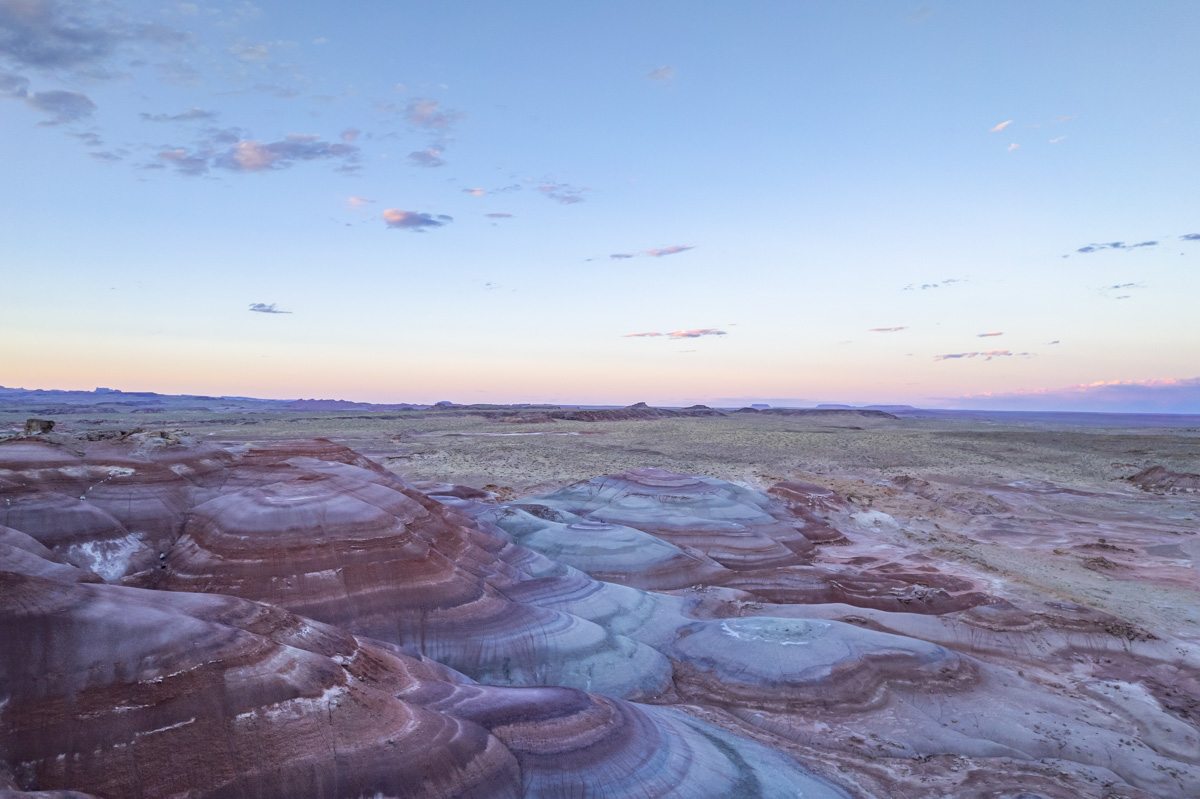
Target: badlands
x: 312, y: 602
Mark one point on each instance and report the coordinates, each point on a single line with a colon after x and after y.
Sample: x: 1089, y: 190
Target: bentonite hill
x: 210, y: 614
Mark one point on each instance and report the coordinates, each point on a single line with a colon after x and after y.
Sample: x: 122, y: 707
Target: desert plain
x: 206, y: 599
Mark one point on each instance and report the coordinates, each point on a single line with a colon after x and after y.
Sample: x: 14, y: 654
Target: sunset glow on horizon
x: 953, y: 206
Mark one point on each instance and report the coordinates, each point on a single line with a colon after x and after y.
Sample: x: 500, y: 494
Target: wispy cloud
x: 664, y: 74
x: 430, y: 158
x: 191, y: 115
x: 704, y: 331
x: 1107, y: 291
x: 475, y: 192
x: 989, y: 335
x: 499, y: 215
x: 678, y: 248
x: 887, y: 329
x: 429, y: 114
x: 1014, y: 146
x: 655, y: 253
x: 1156, y: 395
x: 413, y: 220
x: 1001, y: 126
x: 252, y: 155
x: 681, y: 334
x: 49, y: 35
x: 357, y: 202
x: 563, y: 192
x: 950, y: 281
x: 184, y: 162
x: 1115, y: 245
x: 255, y: 53
x: 1190, y: 237
x: 13, y: 85
x: 987, y: 355
x: 60, y: 106
x: 262, y: 307
x: 350, y: 135
x: 89, y: 138
x: 1057, y: 139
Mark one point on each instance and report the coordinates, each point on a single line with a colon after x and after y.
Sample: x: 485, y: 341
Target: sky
x: 967, y: 205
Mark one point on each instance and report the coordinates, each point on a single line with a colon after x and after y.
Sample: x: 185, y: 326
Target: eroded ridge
x: 299, y: 606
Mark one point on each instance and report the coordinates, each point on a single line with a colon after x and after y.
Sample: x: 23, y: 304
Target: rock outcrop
x: 639, y: 410
x: 1160, y: 479
x: 156, y: 694
x: 293, y: 620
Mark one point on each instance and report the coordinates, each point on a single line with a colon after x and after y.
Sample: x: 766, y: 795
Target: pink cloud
x: 669, y: 251
x: 681, y: 334
x: 887, y: 329
x: 1001, y: 126
x: 429, y: 114
x: 987, y: 356
x: 412, y: 220
x: 1154, y: 395
x: 989, y: 335
x: 704, y: 331
x: 252, y: 156
x: 658, y: 253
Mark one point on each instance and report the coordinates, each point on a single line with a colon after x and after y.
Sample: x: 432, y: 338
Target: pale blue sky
x: 171, y: 164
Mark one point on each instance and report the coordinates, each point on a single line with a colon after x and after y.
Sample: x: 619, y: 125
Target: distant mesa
x: 824, y: 410
x: 317, y: 405
x: 639, y: 410
x: 326, y: 405
x: 759, y: 406
x: 832, y: 406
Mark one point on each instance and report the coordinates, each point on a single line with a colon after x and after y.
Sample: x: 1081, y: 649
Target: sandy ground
x: 1035, y: 510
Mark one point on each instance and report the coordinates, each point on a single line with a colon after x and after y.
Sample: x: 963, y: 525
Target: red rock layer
x: 134, y: 693
x: 126, y: 692
x: 111, y: 512
x: 354, y: 547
